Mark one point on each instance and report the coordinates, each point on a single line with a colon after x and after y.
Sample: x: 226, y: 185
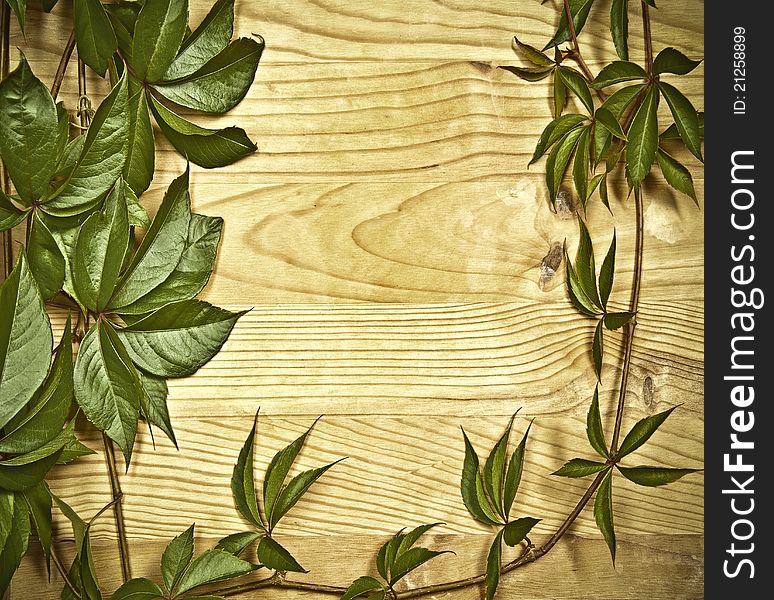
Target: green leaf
x: 580, y: 467
x: 671, y: 132
x: 529, y: 74
x: 606, y: 118
x: 409, y: 560
x: 25, y: 339
x: 617, y: 102
x: 513, y: 475
x: 138, y: 589
x: 362, y: 586
x: 158, y: 33
x: 140, y: 158
x: 123, y: 18
x: 532, y: 54
x: 381, y: 560
x: 236, y: 543
x: 560, y: 94
x: 73, y: 450
x: 606, y: 274
x: 102, y: 157
x: 19, y: 8
x: 515, y: 531
x: 585, y: 267
x: 38, y: 501
x: 135, y: 211
x: 601, y: 143
x: 555, y: 131
x: 493, y: 562
x: 617, y: 72
x: 641, y: 432
x: 494, y: 471
x: 179, y: 338
x: 88, y: 577
x: 107, y: 386
x: 597, y: 350
x: 94, y: 35
x: 49, y: 407
x: 192, y: 271
x: 471, y: 483
x: 212, y: 566
x: 207, y: 148
x: 670, y: 60
x: 28, y: 132
x: 685, y: 116
x: 617, y: 320
x: 676, y: 174
x: 619, y: 27
x: 391, y: 551
x: 594, y: 426
x: 15, y: 544
x: 643, y: 139
x: 593, y: 185
x: 559, y: 159
x: 274, y: 556
x: 292, y: 493
x: 207, y: 40
x: 176, y: 557
x: 576, y: 83
x: 243, y: 483
x: 160, y: 249
x: 220, y: 84
x: 7, y: 500
x: 603, y: 512
x: 99, y: 251
x: 10, y: 216
x: 581, y: 166
x: 579, y: 9
x: 79, y: 525
x: 410, y: 538
x: 153, y: 404
x: 46, y: 261
x: 27, y: 470
x: 654, y: 476
x: 577, y: 296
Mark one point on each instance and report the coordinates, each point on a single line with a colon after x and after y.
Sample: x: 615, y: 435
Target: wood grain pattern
x: 389, y: 240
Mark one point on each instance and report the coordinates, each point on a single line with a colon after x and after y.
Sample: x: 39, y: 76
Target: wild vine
x: 134, y: 319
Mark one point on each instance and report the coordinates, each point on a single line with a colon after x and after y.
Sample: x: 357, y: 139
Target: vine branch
x: 576, y: 53
x: 63, y: 62
x: 5, y: 44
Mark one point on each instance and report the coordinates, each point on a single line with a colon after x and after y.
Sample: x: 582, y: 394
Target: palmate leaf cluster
x: 132, y: 296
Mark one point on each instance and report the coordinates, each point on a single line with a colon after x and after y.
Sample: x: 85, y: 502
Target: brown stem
x: 648, y: 38
x: 576, y: 53
x: 277, y: 581
x: 65, y: 577
x: 5, y: 43
x: 63, y: 62
x: 118, y: 509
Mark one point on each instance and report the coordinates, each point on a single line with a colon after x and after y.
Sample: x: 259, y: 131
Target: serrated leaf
x: 676, y: 174
x: 391, y: 551
x: 616, y: 320
x: 654, y: 476
x: 470, y: 484
x: 560, y: 94
x: 19, y: 8
x: 581, y: 166
x: 618, y: 71
x: 597, y: 350
x: 670, y: 60
x: 15, y: 546
x: 643, y: 139
x: 617, y: 102
x: 176, y: 557
x: 585, y: 266
x: 274, y: 556
x: 236, y: 543
x: 515, y: 531
x: 88, y: 577
x: 107, y: 386
x: 138, y: 589
x: 685, y: 116
x: 619, y: 27
x: 7, y: 500
x: 205, y: 42
x: 94, y: 34
x: 606, y: 118
x: 158, y: 33
x: 641, y: 432
x: 73, y: 450
x: 243, y: 482
x: 409, y: 560
x: 25, y: 339
x: 38, y: 501
x: 410, y: 538
x: 140, y: 158
x: 601, y: 143
x: 529, y: 74
x: 493, y: 563
x: 594, y: 431
x: 10, y: 216
x: 494, y: 471
x: 49, y: 407
x: 102, y: 157
x: 46, y: 261
x: 671, y: 132
x: 28, y: 132
x: 593, y: 185
x: 607, y: 273
x: 576, y: 83
x: 555, y: 131
x: 207, y: 148
x: 603, y: 512
x: 579, y: 9
x: 294, y: 490
x: 381, y: 560
x: 99, y: 251
x: 532, y: 54
x: 78, y: 524
x: 559, y: 159
x: 361, y: 586
x: 578, y: 297
x: 580, y: 467
x: 153, y: 404
x: 513, y: 474
x: 220, y: 84
x: 192, y: 271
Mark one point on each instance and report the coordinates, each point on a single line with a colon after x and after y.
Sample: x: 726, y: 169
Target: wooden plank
x: 658, y: 567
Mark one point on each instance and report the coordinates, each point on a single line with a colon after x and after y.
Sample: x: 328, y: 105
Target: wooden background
x: 390, y: 239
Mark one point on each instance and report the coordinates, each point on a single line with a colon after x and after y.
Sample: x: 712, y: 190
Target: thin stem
x: 576, y: 53
x: 278, y: 581
x: 5, y: 43
x: 65, y: 577
x: 118, y: 509
x: 648, y: 38
x: 63, y: 62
